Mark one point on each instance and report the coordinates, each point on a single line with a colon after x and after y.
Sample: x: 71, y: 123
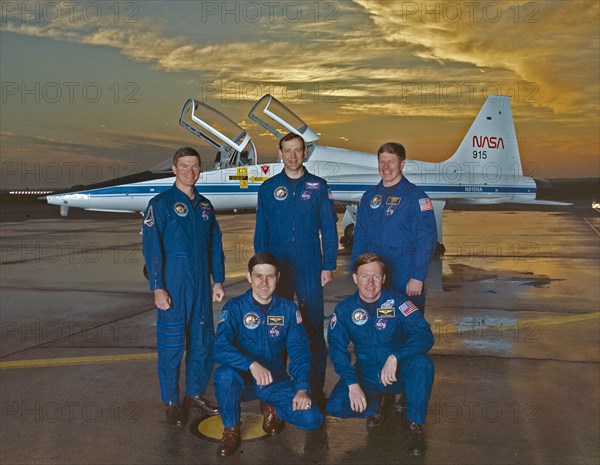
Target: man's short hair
x: 262, y: 258
x: 186, y: 152
x: 366, y: 258
x: 395, y: 148
x: 291, y: 136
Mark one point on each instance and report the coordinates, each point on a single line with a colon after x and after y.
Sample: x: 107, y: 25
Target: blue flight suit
x: 247, y: 334
x: 395, y: 326
x: 289, y: 217
x: 397, y: 223
x: 182, y: 248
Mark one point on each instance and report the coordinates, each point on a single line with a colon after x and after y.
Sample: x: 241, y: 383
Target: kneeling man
x: 390, y: 339
x: 255, y: 332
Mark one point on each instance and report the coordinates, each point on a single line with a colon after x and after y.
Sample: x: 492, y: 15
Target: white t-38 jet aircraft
x: 486, y: 167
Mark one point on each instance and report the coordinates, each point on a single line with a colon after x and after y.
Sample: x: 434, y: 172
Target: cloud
x: 349, y: 53
x: 520, y: 49
x: 534, y: 40
x: 378, y: 59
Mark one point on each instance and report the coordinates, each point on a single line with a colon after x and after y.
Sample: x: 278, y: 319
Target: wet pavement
x: 514, y: 307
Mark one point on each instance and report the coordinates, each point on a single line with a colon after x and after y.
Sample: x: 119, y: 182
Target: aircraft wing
x: 498, y: 201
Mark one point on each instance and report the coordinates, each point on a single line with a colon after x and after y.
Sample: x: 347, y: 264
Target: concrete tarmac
x: 513, y: 306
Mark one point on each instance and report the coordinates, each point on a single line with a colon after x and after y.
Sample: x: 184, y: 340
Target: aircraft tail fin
x: 491, y: 142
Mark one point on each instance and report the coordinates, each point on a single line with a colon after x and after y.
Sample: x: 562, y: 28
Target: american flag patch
x: 407, y: 308
x: 425, y: 204
x: 298, y: 317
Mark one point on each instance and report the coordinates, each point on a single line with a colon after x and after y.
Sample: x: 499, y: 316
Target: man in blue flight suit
x: 182, y: 249
x: 294, y: 206
x: 391, y: 339
x: 255, y: 332
x: 395, y: 219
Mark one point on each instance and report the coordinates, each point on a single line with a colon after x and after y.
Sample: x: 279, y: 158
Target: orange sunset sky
x: 93, y: 90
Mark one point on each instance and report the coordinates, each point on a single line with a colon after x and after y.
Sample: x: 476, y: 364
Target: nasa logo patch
x: 274, y: 331
x: 380, y: 324
x: 305, y: 195
x: 359, y: 316
x: 251, y: 320
x: 389, y: 211
x: 205, y: 215
x: 280, y: 193
x: 181, y: 209
x: 333, y: 321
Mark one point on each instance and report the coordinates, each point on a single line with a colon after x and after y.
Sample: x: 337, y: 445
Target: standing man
x: 182, y: 249
x: 395, y: 219
x: 390, y: 339
x: 294, y: 207
x: 257, y: 332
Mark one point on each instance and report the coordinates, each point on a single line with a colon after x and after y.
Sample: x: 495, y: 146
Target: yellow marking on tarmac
x: 55, y: 362
x: 558, y: 320
x: 251, y: 427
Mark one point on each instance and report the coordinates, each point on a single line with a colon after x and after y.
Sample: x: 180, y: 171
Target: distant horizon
x: 42, y: 188
x: 5, y: 192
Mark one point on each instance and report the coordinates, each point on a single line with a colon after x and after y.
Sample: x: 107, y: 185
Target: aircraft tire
x: 348, y: 237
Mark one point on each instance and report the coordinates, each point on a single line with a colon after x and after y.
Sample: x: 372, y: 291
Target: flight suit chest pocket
x: 275, y: 333
x: 204, y: 216
x: 385, y: 329
x: 280, y: 201
x: 175, y: 235
x: 308, y: 196
x: 359, y: 327
x: 394, y: 208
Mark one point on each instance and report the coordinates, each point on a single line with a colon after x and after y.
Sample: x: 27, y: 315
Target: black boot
x: 174, y: 415
x: 416, y: 439
x: 377, y: 418
x: 230, y: 442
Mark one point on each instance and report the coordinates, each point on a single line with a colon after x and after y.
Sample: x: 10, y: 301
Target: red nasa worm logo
x: 489, y: 142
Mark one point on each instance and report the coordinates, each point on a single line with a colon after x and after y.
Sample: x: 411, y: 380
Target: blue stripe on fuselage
x: 335, y: 187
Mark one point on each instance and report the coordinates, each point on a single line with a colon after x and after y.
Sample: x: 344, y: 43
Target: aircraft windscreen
x: 278, y: 119
x: 283, y: 112
x: 212, y: 126
x: 221, y: 123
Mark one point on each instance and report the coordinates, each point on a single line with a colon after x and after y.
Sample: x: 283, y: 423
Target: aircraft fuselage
x: 348, y: 173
